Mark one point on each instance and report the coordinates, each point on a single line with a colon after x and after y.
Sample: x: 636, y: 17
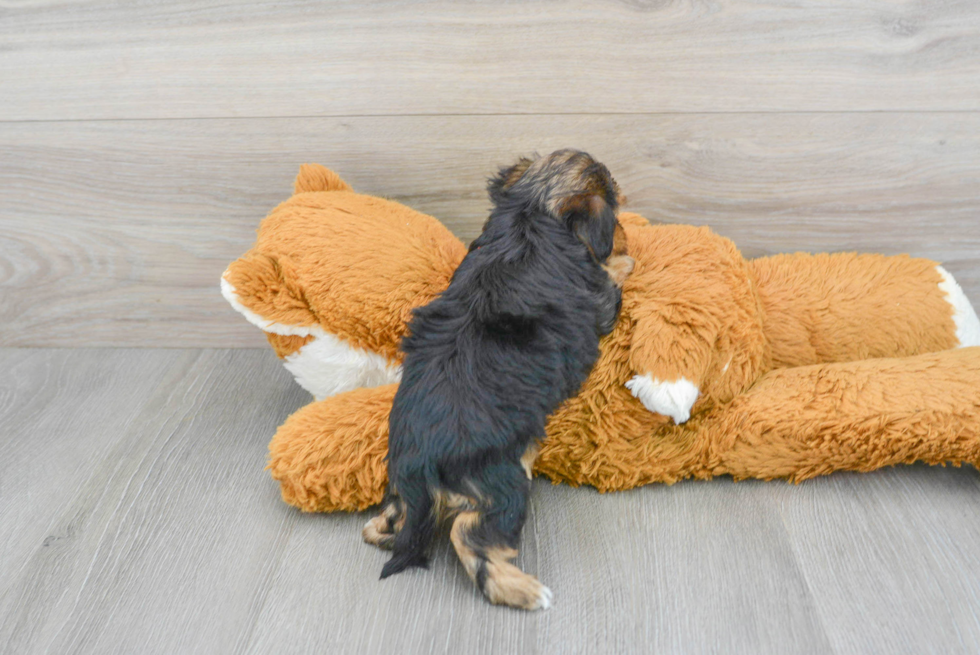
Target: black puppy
x: 514, y: 335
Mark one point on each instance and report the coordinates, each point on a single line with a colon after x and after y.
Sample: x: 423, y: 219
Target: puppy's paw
x: 377, y: 532
x: 618, y: 267
x: 673, y: 399
x: 544, y: 602
x: 508, y: 585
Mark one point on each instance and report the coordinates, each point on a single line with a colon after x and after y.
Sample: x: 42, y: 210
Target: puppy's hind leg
x: 486, y: 540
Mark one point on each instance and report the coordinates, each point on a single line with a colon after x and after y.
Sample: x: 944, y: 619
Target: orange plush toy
x: 789, y: 366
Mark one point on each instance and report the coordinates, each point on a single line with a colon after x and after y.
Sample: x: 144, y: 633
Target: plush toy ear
x: 314, y: 177
x: 507, y: 177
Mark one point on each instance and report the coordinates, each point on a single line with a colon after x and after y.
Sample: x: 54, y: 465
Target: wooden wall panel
x: 116, y: 232
x: 89, y: 59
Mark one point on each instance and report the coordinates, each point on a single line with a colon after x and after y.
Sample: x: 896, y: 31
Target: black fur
x: 514, y: 335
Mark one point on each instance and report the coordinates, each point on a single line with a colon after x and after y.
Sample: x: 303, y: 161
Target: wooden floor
x: 142, y: 141
x: 135, y: 517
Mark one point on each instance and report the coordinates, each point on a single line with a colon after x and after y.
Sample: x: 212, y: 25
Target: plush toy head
x: 334, y: 306
x: 717, y: 365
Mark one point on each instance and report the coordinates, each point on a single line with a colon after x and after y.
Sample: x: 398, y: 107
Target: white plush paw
x: 673, y: 399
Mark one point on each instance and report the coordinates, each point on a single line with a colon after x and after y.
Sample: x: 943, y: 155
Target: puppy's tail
x: 412, y: 542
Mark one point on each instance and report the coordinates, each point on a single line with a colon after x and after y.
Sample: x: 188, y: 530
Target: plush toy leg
x: 807, y: 421
x: 845, y: 307
x: 330, y: 455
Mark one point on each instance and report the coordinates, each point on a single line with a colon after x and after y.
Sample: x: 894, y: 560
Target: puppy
x: 515, y: 334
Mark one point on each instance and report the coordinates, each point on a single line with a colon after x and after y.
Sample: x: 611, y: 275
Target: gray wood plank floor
x: 135, y: 516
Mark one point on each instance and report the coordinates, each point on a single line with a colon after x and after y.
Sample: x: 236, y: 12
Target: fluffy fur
x: 514, y: 335
x: 291, y: 286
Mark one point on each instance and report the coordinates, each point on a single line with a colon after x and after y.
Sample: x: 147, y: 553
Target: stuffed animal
x: 789, y: 366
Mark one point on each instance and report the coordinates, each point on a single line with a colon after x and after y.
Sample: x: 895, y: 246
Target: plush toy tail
x: 802, y: 422
x: 314, y: 177
x: 846, y: 307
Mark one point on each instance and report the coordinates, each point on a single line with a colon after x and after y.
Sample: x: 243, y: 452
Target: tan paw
x: 508, y: 585
x: 376, y: 533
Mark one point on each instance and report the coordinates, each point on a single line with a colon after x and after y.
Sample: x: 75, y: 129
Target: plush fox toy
x: 787, y: 366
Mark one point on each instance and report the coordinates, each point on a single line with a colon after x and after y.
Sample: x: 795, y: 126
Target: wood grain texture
x: 115, y: 233
x: 147, y: 59
x: 137, y: 518
x: 686, y: 569
x: 49, y: 445
x: 148, y: 548
x: 881, y: 539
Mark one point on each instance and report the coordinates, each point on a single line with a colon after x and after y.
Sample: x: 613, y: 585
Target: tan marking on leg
x: 447, y: 504
x: 381, y: 530
x: 527, y: 459
x: 505, y: 584
x: 462, y: 525
x: 374, y: 533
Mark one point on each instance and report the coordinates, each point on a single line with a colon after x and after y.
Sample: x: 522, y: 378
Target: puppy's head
x: 568, y: 186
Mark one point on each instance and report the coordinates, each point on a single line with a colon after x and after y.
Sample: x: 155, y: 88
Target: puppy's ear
x: 592, y: 219
x: 508, y: 176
